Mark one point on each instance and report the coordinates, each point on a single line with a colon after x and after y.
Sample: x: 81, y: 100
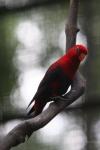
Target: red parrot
x: 58, y: 78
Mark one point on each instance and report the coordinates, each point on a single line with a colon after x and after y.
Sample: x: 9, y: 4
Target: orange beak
x: 82, y: 56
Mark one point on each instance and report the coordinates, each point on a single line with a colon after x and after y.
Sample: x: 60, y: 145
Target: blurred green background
x: 31, y: 37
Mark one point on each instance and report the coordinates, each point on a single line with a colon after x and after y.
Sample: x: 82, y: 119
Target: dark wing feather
x: 48, y: 78
x: 31, y: 110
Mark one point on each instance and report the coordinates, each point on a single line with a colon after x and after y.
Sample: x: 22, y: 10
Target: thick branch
x: 26, y: 128
x: 71, y: 26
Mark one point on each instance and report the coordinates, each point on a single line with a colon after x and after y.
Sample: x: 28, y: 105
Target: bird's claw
x: 56, y: 98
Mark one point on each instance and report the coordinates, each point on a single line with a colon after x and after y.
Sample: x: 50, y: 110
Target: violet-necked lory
x: 58, y: 78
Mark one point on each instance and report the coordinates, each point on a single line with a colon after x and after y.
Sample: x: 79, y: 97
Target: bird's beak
x: 82, y: 56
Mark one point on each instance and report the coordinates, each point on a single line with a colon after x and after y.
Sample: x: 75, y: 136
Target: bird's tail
x: 32, y: 109
x: 30, y: 103
x: 36, y: 108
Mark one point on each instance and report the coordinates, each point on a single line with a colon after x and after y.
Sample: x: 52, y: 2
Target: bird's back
x: 56, y: 80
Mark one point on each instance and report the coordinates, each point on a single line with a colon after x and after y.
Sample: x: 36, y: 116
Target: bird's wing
x: 49, y: 77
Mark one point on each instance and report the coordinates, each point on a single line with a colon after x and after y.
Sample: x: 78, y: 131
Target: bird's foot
x: 56, y: 98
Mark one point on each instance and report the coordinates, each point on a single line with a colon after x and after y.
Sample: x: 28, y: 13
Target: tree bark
x: 27, y: 127
x: 71, y: 26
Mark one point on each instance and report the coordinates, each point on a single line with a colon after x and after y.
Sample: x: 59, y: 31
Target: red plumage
x: 58, y: 78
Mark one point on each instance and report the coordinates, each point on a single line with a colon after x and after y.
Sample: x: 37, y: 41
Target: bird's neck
x: 70, y: 66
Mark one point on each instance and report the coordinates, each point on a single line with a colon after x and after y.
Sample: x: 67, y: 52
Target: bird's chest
x: 69, y: 69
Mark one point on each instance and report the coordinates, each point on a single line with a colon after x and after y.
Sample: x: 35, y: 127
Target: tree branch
x: 71, y: 25
x: 27, y: 127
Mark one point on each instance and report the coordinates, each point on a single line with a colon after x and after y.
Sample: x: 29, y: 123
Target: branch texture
x: 27, y: 127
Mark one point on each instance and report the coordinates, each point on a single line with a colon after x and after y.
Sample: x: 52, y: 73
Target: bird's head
x: 78, y: 51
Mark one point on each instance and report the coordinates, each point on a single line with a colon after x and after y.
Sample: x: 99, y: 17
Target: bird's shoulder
x: 51, y: 74
x: 54, y: 71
